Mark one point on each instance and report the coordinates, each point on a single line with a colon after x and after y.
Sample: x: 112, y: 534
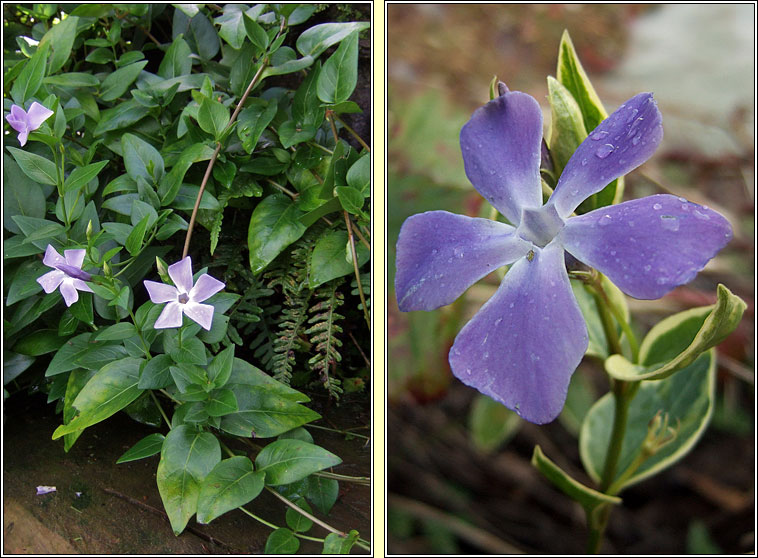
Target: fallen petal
x: 45, y: 490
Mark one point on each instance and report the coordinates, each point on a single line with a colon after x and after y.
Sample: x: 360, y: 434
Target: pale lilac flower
x: 184, y: 298
x: 67, y: 273
x: 45, y: 490
x: 25, y: 122
x: 524, y: 344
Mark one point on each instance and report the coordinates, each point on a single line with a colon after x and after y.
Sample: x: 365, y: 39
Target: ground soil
x: 103, y: 508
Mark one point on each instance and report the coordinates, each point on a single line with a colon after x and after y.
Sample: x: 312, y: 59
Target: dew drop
x: 604, y: 220
x: 702, y: 216
x: 486, y: 355
x: 669, y: 222
x: 602, y: 134
x: 681, y: 199
x: 613, y: 252
x: 510, y: 305
x: 636, y: 139
x: 584, y: 162
x: 434, y: 251
x: 661, y: 280
x: 657, y: 206
x: 603, y: 151
x: 648, y: 267
x: 497, y: 322
x: 534, y: 357
x: 632, y: 114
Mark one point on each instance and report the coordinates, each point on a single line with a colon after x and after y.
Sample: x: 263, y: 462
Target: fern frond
x: 323, y: 331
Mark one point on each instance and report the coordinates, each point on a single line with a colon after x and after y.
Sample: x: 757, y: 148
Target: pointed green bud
x: 162, y: 270
x: 89, y: 230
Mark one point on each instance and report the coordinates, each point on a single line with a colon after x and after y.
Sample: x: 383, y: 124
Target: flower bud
x: 89, y: 230
x: 162, y: 270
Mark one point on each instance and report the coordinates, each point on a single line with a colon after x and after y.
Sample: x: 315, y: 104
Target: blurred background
x: 459, y: 472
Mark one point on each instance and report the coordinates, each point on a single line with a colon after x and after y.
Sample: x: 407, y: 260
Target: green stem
x: 354, y: 134
x: 623, y: 392
x: 160, y: 408
x: 273, y: 526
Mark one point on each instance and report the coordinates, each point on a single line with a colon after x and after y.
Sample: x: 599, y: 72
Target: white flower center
x: 540, y: 226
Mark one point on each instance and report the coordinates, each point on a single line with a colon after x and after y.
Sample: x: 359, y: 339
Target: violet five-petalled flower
x: 26, y: 122
x: 185, y: 297
x: 523, y: 345
x: 67, y: 274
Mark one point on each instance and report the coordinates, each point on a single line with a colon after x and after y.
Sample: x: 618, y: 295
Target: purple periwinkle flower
x: 25, y: 122
x: 67, y: 274
x: 185, y: 297
x: 523, y: 345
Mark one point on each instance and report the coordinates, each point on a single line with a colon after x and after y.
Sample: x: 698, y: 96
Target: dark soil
x: 118, y: 509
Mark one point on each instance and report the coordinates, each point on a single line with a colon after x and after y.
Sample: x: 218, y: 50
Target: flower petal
x: 181, y: 274
x: 205, y: 288
x: 619, y: 144
x: 74, y: 257
x: 501, y: 147
x: 524, y: 344
x: 37, y: 115
x: 52, y: 257
x: 51, y: 280
x: 201, y: 313
x: 81, y: 285
x: 441, y: 254
x: 650, y: 245
x: 22, y: 137
x: 170, y: 317
x: 160, y: 292
x: 70, y: 295
x: 18, y: 119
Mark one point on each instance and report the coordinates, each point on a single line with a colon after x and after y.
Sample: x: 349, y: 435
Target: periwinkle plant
x: 109, y: 163
x: 522, y: 347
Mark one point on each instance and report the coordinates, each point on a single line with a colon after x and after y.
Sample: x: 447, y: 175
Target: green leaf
x: 359, y: 175
x: 350, y: 199
x: 334, y: 543
x: 81, y: 176
x: 315, y: 40
x: 187, y: 195
x: 246, y: 374
x: 567, y: 130
x: 297, y: 521
x: 572, y: 76
x: 721, y: 319
x: 134, y: 241
x: 176, y: 62
x: 120, y: 116
x: 255, y: 33
x: 591, y: 500
x: 291, y: 133
x: 186, y: 375
x: 82, y: 308
x: 212, y: 117
x: 24, y: 283
x: 339, y: 76
x: 39, y: 342
x: 116, y: 332
x: 111, y: 389
x: 146, y: 447
x: 22, y: 196
x: 141, y: 159
x: 61, y: 38
x: 39, y: 169
x: 491, y: 424
x: 155, y: 374
x: 281, y: 541
x: 116, y: 84
x: 327, y: 261
x: 187, y: 457
x: 232, y: 483
x: 221, y: 402
x: 274, y: 225
x: 220, y: 369
x: 191, y: 351
x: 172, y: 181
x: 77, y: 379
x: 322, y: 492
x: 72, y: 79
x: 253, y: 120
x: 264, y: 413
x: 306, y: 108
x: 288, y: 67
x: 29, y: 80
x: 287, y: 461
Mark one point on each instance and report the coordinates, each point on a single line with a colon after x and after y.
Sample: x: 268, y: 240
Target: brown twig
x: 355, y: 267
x: 207, y: 175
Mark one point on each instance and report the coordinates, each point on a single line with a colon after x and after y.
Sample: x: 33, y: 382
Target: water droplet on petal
x: 636, y: 139
x: 670, y: 222
x: 602, y: 134
x: 604, y: 150
x: 632, y: 114
x: 657, y: 206
x: 661, y: 280
x: 584, y: 162
x: 510, y: 305
x: 613, y: 252
x: 681, y: 199
x: 605, y: 220
x: 702, y: 216
x: 648, y: 267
